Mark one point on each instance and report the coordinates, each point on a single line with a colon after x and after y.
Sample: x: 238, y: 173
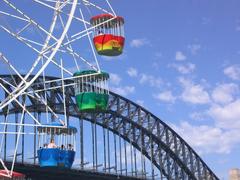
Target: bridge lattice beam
x: 146, y: 132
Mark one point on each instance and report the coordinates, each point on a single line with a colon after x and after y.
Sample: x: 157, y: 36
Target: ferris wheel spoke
x: 20, y: 104
x: 21, y: 39
x: 54, y: 1
x: 43, y: 2
x: 77, y: 38
x: 52, y: 88
x: 6, y: 82
x: 90, y: 42
x: 18, y: 133
x: 25, y: 41
x: 18, y: 137
x: 60, y: 11
x: 74, y: 54
x: 46, y: 42
x: 33, y: 94
x: 98, y: 7
x: 42, y: 54
x: 70, y: 51
x: 7, y: 174
x: 59, y: 81
x: 87, y: 31
x: 66, y: 2
x: 37, y: 97
x: 10, y: 66
x: 4, y: 129
x: 111, y: 8
x: 13, y: 16
x: 93, y: 27
x: 24, y: 28
x: 42, y: 100
x: 16, y: 35
x: 70, y: 46
x: 18, y: 91
x: 32, y: 42
x: 81, y: 58
x: 32, y: 21
x: 34, y: 49
x: 29, y: 22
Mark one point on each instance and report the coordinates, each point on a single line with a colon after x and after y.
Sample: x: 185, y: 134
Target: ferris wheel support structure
x: 12, y: 96
x: 20, y: 89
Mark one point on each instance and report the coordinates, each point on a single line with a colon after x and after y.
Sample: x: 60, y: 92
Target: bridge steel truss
x: 167, y: 151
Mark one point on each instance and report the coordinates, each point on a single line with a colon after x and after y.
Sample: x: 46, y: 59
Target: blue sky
x: 181, y: 62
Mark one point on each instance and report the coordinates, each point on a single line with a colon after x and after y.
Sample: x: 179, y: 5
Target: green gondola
x: 91, y: 90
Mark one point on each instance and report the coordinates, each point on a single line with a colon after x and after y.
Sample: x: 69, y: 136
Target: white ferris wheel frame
x: 19, y: 90
x: 53, y: 49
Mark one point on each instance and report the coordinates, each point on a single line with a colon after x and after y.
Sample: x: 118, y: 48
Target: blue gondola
x: 62, y: 153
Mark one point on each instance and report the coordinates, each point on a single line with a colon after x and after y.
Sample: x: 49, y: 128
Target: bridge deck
x: 34, y: 172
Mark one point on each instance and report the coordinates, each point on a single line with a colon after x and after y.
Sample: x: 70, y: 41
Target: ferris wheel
x: 63, y: 38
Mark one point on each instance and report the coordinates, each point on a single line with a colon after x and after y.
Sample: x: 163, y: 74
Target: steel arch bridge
x: 153, y: 138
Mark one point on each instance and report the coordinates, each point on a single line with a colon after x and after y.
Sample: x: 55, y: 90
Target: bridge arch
x: 155, y: 139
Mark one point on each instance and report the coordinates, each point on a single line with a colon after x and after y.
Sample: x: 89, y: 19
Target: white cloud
x: 115, y: 79
x: 194, y: 48
x: 150, y: 80
x: 224, y: 93
x: 184, y: 69
x: 116, y: 87
x: 193, y: 93
x: 140, y: 102
x: 227, y: 116
x: 199, y: 116
x: 132, y: 72
x: 208, y: 139
x: 233, y: 72
x: 165, y: 96
x: 124, y: 91
x: 180, y: 56
x: 224, y: 111
x: 139, y: 42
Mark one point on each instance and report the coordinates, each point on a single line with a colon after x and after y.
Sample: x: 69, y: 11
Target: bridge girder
x: 146, y: 132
